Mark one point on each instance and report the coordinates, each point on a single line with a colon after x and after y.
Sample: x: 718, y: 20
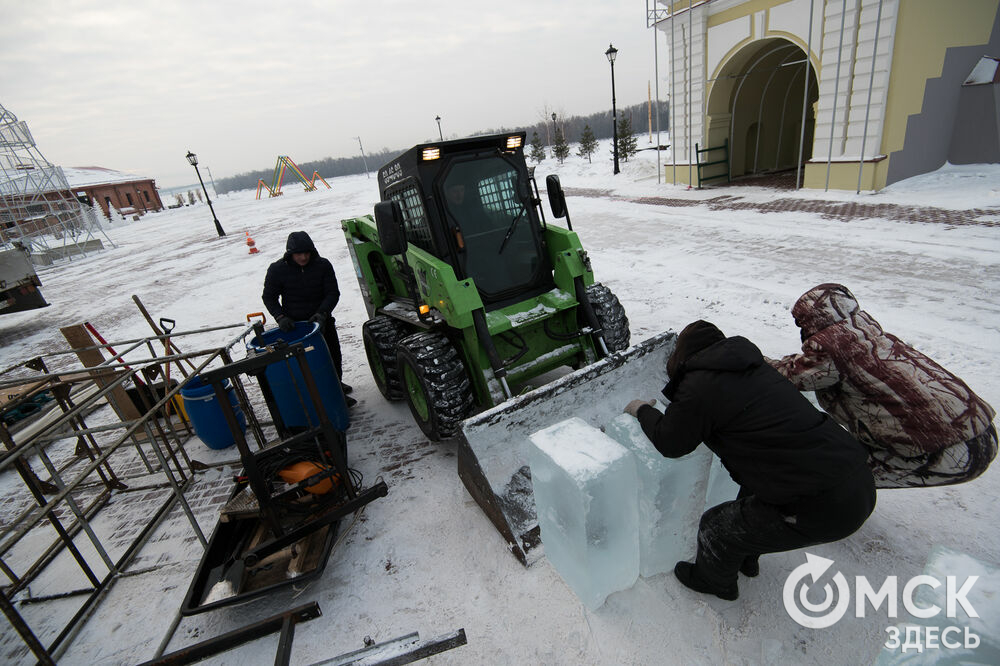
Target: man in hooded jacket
x: 302, y: 286
x: 803, y: 478
x: 921, y: 425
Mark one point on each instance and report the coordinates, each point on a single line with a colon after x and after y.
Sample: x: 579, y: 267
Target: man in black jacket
x: 804, y: 480
x: 302, y: 286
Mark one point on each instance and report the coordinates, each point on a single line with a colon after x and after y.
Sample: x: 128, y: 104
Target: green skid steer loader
x: 472, y: 296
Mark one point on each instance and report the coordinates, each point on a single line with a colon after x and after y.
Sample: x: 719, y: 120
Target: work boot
x: 346, y: 388
x: 687, y: 575
x: 751, y: 566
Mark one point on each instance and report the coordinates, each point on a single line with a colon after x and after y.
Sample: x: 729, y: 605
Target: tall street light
x: 193, y: 160
x: 438, y: 119
x: 363, y: 156
x: 612, y: 53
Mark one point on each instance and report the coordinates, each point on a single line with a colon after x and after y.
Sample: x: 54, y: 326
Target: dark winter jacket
x: 774, y: 443
x: 884, y: 391
x: 297, y: 291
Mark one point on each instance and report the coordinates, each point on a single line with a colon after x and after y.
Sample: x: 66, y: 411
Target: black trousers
x: 333, y: 344
x: 748, y: 527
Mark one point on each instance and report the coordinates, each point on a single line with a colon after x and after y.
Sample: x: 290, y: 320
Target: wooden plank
x: 79, y: 338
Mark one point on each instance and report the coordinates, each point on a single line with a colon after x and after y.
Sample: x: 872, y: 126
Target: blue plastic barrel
x: 205, y: 412
x: 288, y: 385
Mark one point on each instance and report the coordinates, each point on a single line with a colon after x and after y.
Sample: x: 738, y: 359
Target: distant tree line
x: 566, y: 129
x: 329, y: 167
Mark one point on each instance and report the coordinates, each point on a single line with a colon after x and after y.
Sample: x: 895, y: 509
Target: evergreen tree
x: 627, y: 144
x: 588, y: 143
x: 560, y: 149
x: 537, y: 149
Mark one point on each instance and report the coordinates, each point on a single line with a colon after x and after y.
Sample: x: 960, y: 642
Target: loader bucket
x: 493, y: 445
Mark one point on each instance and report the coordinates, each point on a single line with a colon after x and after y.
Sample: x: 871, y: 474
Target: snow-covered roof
x: 987, y: 70
x: 95, y: 175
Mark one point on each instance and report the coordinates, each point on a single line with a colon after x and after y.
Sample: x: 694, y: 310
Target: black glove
x: 285, y: 323
x: 319, y: 318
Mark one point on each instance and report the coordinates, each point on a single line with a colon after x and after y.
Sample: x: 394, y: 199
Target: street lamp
x: 193, y: 161
x: 438, y: 119
x: 612, y: 53
x: 363, y: 156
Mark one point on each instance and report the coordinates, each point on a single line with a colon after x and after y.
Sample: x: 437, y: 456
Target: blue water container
x: 205, y: 412
x: 288, y: 385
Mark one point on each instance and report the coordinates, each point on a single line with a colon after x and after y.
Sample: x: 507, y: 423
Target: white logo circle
x: 814, y: 568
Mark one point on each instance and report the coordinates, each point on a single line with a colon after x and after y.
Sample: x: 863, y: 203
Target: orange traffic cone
x: 251, y: 244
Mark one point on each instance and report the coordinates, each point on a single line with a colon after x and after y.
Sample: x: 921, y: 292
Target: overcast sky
x: 133, y: 85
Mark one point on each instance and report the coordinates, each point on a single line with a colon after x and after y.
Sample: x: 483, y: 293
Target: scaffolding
x: 38, y: 211
x: 85, y: 489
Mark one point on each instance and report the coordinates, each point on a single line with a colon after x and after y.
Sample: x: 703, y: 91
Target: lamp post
x: 438, y: 119
x: 363, y: 156
x: 193, y: 160
x: 612, y: 53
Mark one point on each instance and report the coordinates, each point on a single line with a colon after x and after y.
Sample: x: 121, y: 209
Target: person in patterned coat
x: 922, y: 425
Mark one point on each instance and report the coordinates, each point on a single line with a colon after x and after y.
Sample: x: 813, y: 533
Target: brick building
x: 131, y: 195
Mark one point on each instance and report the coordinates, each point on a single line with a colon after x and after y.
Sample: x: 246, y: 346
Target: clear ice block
x: 671, y: 497
x: 584, y: 484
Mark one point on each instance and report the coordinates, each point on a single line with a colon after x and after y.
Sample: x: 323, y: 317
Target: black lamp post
x: 612, y: 53
x: 438, y: 119
x: 193, y: 160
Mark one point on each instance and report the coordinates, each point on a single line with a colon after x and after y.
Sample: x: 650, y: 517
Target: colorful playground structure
x: 285, y: 163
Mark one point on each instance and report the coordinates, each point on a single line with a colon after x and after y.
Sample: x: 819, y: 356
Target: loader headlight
x: 429, y: 154
x: 513, y: 142
x: 424, y: 308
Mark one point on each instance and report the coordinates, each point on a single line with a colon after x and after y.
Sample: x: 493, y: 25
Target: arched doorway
x: 756, y: 103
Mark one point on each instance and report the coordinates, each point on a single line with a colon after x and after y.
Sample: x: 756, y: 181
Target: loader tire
x: 381, y: 336
x: 435, y: 383
x: 611, y: 317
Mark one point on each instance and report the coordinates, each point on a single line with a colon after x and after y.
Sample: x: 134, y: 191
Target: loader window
x: 503, y: 252
x: 418, y: 231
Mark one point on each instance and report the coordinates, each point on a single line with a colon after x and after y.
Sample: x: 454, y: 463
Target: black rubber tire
x: 381, y: 335
x: 435, y: 383
x: 611, y: 316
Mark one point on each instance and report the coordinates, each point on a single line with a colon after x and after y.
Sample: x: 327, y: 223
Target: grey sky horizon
x: 133, y: 86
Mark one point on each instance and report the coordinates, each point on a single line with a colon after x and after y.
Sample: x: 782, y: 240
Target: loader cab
x: 469, y: 202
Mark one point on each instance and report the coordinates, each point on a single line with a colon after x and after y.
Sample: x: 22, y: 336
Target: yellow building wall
x: 925, y: 30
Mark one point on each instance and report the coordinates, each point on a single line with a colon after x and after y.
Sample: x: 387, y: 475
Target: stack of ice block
x: 671, y: 495
x: 584, y: 485
x: 610, y: 506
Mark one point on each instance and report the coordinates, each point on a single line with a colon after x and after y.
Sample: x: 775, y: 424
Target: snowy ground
x: 425, y: 558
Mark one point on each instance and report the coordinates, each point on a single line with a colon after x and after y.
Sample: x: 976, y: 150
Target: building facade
x: 129, y: 194
x: 860, y: 93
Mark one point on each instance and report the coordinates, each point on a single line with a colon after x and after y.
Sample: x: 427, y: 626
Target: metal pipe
x: 760, y: 112
x: 689, y: 76
x: 871, y: 83
x: 673, y: 123
x: 732, y: 108
x: 805, y: 98
x: 836, y: 90
x: 656, y: 74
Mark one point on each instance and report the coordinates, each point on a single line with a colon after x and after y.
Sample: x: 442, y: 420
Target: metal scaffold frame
x: 64, y: 494
x: 38, y: 211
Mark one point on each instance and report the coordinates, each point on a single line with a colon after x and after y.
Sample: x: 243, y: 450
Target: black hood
x: 735, y: 354
x: 299, y: 241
